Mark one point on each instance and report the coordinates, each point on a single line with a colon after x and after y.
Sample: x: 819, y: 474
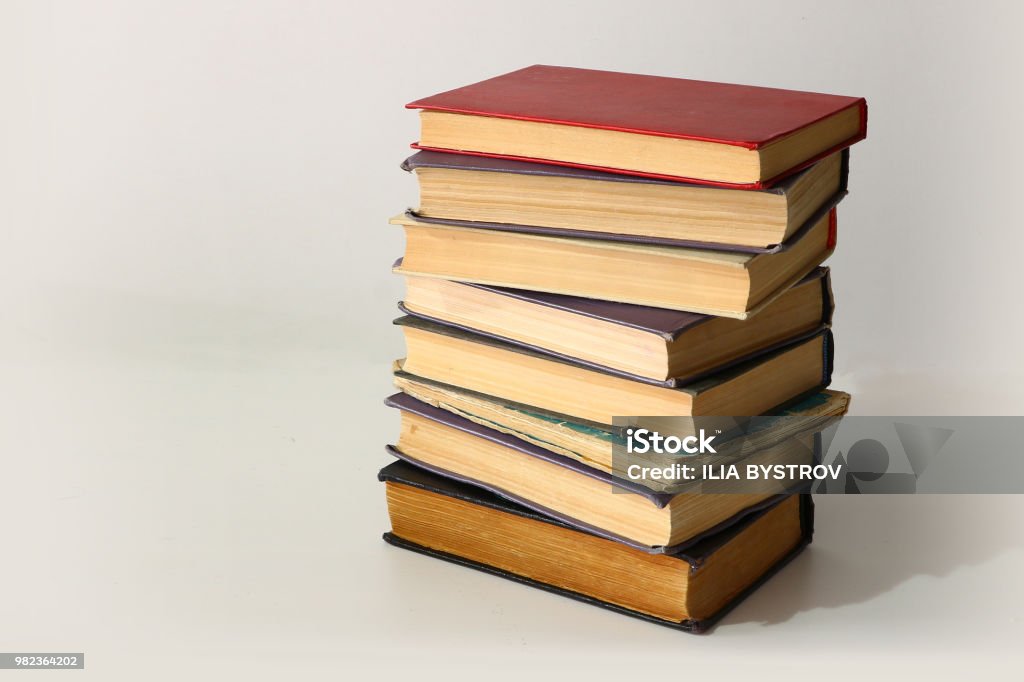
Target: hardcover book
x: 500, y: 194
x: 595, y: 444
x: 690, y: 589
x: 715, y: 133
x: 478, y: 363
x: 653, y: 345
x: 720, y: 283
x: 572, y: 491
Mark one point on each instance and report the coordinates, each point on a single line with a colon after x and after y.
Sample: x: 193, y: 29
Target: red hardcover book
x: 696, y: 131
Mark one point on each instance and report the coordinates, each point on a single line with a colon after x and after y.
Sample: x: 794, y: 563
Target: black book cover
x: 694, y: 555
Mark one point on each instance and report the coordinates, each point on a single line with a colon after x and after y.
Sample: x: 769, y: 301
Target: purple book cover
x: 430, y: 159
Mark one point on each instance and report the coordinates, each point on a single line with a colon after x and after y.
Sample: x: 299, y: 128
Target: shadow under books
x: 867, y: 545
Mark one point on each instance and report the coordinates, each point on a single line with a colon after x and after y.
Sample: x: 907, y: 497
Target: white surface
x: 196, y: 343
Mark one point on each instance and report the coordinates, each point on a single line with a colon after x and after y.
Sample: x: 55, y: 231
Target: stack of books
x: 592, y: 247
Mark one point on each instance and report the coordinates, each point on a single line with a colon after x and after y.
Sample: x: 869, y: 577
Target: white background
x: 195, y: 299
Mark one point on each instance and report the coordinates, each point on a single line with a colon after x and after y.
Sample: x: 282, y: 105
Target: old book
x: 546, y: 199
x: 720, y: 283
x: 573, y: 491
x: 648, y: 344
x: 595, y: 444
x: 674, y: 128
x: 477, y: 363
x: 689, y: 589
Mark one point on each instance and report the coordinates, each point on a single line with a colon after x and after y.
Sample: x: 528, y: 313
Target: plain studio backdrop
x: 196, y: 305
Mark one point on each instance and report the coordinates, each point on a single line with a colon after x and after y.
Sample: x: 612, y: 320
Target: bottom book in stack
x: 689, y: 589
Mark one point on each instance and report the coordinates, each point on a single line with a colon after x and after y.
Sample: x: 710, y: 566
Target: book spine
x: 828, y: 301
x: 828, y: 358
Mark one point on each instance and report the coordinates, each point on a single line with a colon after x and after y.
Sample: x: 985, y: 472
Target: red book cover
x: 740, y: 115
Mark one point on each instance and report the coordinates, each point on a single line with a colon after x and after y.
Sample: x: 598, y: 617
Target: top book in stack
x: 736, y: 136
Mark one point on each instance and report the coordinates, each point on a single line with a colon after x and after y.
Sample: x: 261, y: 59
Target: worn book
x: 655, y: 345
x: 530, y: 197
x: 582, y: 495
x: 689, y: 589
x: 712, y: 282
x: 486, y: 365
x: 598, y: 445
x: 698, y: 131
